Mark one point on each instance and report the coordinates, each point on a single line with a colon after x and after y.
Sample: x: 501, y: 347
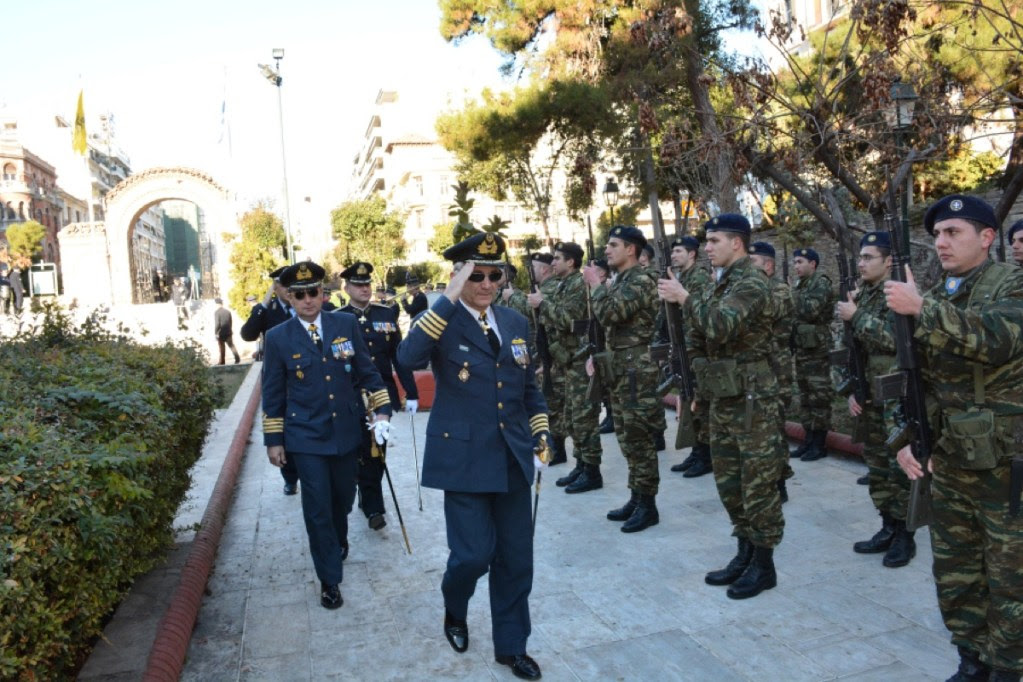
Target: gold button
x: 445, y: 434
x: 500, y: 384
x: 500, y: 406
x: 499, y: 365
x: 333, y: 414
x: 502, y: 425
x: 465, y: 364
x: 324, y: 359
x: 331, y: 396
x: 328, y: 377
x: 292, y: 414
x: 370, y: 343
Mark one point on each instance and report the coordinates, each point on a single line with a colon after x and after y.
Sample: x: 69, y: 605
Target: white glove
x: 411, y: 406
x: 540, y: 466
x: 381, y: 431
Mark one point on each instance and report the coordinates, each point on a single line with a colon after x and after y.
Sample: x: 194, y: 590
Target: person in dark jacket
x: 222, y: 323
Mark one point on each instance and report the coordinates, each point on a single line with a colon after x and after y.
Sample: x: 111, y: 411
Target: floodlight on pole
x: 611, y: 196
x: 273, y: 75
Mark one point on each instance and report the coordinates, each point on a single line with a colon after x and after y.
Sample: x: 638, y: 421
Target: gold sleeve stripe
x: 378, y: 399
x: 432, y: 324
x: 428, y: 330
x: 539, y: 423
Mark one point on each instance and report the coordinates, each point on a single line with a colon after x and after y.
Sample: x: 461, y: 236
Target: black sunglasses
x: 299, y: 294
x: 480, y: 276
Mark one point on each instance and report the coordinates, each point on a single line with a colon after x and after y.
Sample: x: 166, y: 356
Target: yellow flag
x: 78, y: 139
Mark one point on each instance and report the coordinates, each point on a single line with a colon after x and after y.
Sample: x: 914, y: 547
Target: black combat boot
x: 882, y: 539
x: 807, y: 443
x: 659, y: 444
x: 971, y: 669
x: 817, y: 448
x: 730, y: 573
x: 644, y: 516
x: 702, y: 465
x: 589, y: 479
x: 571, y: 475
x: 903, y: 547
x: 783, y: 491
x: 757, y: 577
x: 689, y: 461
x: 608, y: 425
x: 998, y: 675
x: 625, y: 511
x: 558, y: 455
x: 863, y: 480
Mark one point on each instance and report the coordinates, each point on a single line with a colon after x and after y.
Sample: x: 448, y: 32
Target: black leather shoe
x: 643, y: 517
x: 863, y: 480
x: 882, y: 539
x: 735, y: 568
x: 522, y: 666
x: 686, y: 463
x: 571, y: 475
x: 590, y: 479
x: 457, y: 633
x: 376, y: 521
x: 291, y: 488
x: 625, y: 511
x: 757, y: 577
x: 330, y: 596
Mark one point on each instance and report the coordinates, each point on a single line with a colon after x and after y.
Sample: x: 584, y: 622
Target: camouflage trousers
x: 748, y: 462
x: 637, y: 416
x: 556, y: 403
x: 582, y: 417
x: 888, y: 484
x: 813, y: 373
x: 978, y: 562
x: 784, y: 410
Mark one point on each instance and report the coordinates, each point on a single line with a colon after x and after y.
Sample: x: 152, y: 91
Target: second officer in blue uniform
x: 486, y: 420
x: 315, y: 371
x: 379, y: 326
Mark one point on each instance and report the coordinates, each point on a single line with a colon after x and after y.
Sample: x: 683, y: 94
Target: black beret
x: 808, y: 254
x: 649, y: 250
x: 1016, y: 227
x: 602, y: 264
x: 570, y: 249
x: 728, y: 222
x: 545, y: 258
x: 276, y: 274
x: 358, y: 273
x: 880, y: 239
x: 513, y: 271
x: 690, y: 243
x: 482, y: 248
x: 960, y: 206
x: 411, y: 279
x: 762, y: 249
x: 629, y: 233
x: 391, y: 291
x: 305, y: 275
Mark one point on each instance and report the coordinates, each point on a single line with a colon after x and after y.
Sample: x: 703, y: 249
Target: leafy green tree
x: 25, y: 242
x: 367, y: 231
x: 259, y: 250
x: 442, y: 238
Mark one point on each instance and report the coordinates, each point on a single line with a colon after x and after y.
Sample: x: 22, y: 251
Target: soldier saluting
x: 969, y: 332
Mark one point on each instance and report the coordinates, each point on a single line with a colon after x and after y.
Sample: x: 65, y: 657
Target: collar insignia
x: 952, y: 284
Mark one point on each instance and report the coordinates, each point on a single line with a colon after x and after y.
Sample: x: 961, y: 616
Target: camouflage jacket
x: 695, y: 280
x: 873, y: 327
x: 782, y: 312
x: 627, y: 309
x: 558, y: 314
x: 814, y: 304
x: 978, y: 323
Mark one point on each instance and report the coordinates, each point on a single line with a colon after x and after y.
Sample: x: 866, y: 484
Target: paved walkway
x: 605, y: 605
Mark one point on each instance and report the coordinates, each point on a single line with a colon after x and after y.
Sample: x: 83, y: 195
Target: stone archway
x: 93, y: 246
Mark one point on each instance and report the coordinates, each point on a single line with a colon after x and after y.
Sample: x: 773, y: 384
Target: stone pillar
x: 86, y: 263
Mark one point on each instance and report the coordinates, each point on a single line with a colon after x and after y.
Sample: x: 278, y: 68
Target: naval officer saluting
x: 314, y: 370
x: 486, y: 420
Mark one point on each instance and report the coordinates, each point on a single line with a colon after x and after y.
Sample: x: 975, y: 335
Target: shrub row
x: 97, y: 435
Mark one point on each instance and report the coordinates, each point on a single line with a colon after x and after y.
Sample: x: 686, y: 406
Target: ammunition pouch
x: 805, y: 336
x: 719, y: 379
x: 838, y: 357
x: 603, y: 364
x: 970, y: 440
x: 660, y: 352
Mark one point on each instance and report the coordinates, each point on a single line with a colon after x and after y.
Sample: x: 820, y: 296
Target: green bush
x: 97, y: 435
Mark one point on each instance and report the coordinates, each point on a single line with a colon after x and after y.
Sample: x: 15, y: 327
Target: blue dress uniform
x: 312, y: 405
x: 379, y: 327
x: 485, y: 420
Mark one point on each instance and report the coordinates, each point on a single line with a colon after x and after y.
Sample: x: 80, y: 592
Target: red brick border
x: 170, y: 646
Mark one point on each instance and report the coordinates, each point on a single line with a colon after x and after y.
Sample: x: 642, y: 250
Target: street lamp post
x: 273, y: 75
x: 611, y: 197
x: 903, y: 103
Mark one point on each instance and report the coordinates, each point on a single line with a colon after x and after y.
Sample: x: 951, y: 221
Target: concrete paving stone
x: 758, y: 655
x: 633, y: 612
x: 221, y: 615
x: 277, y: 630
x: 848, y: 657
x: 860, y: 616
x: 920, y: 648
x: 212, y: 658
x: 292, y: 667
x: 893, y: 671
x: 346, y: 647
x: 423, y: 660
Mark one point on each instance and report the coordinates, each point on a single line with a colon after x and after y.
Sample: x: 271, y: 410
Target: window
x: 445, y: 186
x: 10, y: 172
x: 417, y: 183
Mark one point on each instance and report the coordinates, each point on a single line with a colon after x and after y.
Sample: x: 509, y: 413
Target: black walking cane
x: 381, y: 452
x: 415, y: 453
x: 543, y: 453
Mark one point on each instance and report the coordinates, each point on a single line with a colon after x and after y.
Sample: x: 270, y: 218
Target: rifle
x: 542, y: 348
x: 677, y: 369
x: 785, y: 263
x: 595, y: 342
x: 907, y: 383
x: 851, y: 356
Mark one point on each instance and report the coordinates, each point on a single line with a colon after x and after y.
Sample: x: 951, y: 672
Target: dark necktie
x: 495, y: 343
x: 315, y: 337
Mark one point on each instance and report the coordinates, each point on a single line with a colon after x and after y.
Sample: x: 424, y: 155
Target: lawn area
x: 230, y: 378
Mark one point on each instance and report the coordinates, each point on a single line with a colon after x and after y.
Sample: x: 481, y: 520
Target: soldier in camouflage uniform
x: 547, y: 284
x: 730, y: 344
x: 560, y: 315
x: 763, y: 256
x: 969, y: 333
x: 684, y: 254
x: 888, y: 485
x: 626, y: 310
x: 814, y: 306
x: 648, y: 261
x: 1015, y: 237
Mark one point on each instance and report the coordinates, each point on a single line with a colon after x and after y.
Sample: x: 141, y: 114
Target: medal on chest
x: 463, y: 374
x: 342, y: 348
x: 520, y: 352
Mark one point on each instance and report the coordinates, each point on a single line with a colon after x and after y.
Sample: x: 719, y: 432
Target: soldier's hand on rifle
x: 672, y: 291
x: 855, y: 409
x: 506, y: 293
x: 846, y: 309
x: 535, y: 299
x: 911, y: 465
x: 591, y: 275
x: 589, y: 366
x: 454, y: 288
x: 902, y: 297
x: 276, y: 455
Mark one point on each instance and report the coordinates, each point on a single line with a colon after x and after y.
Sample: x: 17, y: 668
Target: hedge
x: 97, y: 435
